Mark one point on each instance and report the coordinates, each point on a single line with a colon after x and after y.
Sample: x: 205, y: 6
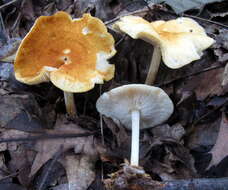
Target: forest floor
x: 41, y: 148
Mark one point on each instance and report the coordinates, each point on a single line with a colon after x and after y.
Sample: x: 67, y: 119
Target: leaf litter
x: 173, y: 151
x: 220, y: 149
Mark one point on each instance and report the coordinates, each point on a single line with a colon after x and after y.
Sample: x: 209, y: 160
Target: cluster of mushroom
x: 73, y: 54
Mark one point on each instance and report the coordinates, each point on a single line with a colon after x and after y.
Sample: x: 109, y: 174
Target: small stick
x: 3, y: 28
x: 101, y: 121
x: 7, y: 4
x: 197, y: 184
x: 127, y: 14
x: 47, y: 136
x: 185, y: 184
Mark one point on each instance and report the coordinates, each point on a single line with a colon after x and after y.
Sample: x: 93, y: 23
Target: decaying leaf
x: 100, y: 8
x: 204, y: 87
x: 8, y: 50
x: 225, y: 79
x: 169, y: 160
x: 21, y: 112
x: 220, y: 149
x: 221, y: 45
x: 18, y: 151
x: 2, y: 166
x: 119, y: 147
x: 164, y: 151
x: 10, y: 186
x: 203, y: 136
x: 11, y: 133
x: 180, y: 6
x: 5, y: 70
x: 80, y: 171
x: 80, y: 165
x: 175, y: 132
x: 51, y: 173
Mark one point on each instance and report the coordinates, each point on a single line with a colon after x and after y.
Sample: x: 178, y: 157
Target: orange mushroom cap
x: 71, y: 53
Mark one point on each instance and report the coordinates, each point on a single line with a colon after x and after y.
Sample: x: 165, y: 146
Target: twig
x: 118, y: 17
x: 198, y: 18
x: 206, y: 20
x: 189, y: 75
x: 47, y: 136
x: 101, y: 121
x: 7, y: 4
x: 18, y: 19
x: 2, y: 27
x: 9, y: 176
x: 124, y: 182
x: 198, y: 184
x: 121, y: 40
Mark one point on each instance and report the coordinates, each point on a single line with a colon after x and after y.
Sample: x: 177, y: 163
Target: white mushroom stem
x: 135, y: 117
x: 154, y: 66
x: 69, y: 103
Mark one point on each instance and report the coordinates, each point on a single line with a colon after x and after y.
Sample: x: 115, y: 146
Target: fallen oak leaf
x: 220, y: 149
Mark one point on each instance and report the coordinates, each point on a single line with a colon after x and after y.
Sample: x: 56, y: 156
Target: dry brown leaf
x: 80, y: 171
x: 21, y: 156
x: 205, y: 84
x: 2, y: 166
x: 225, y: 79
x: 176, y: 132
x: 47, y: 148
x: 11, y: 133
x: 21, y: 112
x: 220, y: 149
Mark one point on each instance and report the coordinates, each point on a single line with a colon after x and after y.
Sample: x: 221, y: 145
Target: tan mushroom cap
x: 181, y: 40
x: 71, y: 53
x: 153, y: 103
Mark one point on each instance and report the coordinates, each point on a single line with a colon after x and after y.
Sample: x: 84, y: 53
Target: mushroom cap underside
x: 181, y: 40
x: 153, y: 103
x: 71, y: 53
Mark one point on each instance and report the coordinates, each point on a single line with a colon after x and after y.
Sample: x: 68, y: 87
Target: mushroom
x: 71, y: 53
x: 136, y: 106
x: 178, y: 41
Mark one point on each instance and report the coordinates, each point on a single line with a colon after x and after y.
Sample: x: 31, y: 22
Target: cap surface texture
x: 153, y: 104
x: 71, y: 53
x: 181, y: 40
